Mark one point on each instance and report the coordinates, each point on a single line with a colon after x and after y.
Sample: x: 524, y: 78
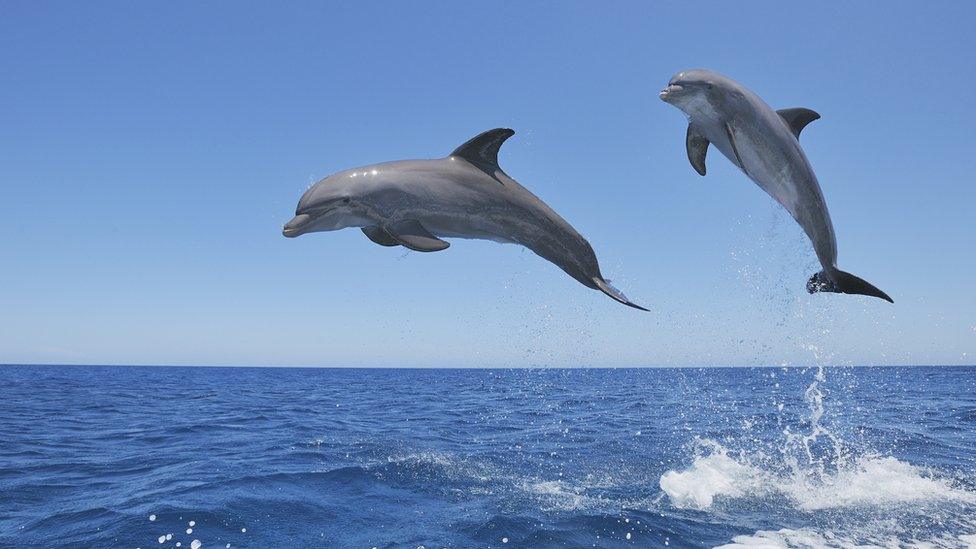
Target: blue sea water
x: 775, y: 457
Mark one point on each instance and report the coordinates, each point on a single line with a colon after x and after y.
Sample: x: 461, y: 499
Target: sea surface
x: 245, y: 457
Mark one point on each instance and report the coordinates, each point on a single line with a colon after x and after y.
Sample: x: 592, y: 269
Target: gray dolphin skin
x: 764, y: 144
x: 415, y: 203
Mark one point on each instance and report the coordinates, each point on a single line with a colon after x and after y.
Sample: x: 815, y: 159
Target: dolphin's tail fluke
x: 607, y: 288
x: 844, y: 283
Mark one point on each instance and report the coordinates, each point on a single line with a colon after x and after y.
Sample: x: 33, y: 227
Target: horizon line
x: 333, y: 367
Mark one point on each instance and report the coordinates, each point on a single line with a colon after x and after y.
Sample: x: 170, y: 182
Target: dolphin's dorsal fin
x: 697, y: 145
x: 797, y: 118
x: 482, y: 149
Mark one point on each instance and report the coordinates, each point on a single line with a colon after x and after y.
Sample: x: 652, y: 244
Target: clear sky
x: 150, y: 152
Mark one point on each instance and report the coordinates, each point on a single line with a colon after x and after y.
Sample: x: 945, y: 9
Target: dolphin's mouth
x: 296, y: 226
x: 671, y: 90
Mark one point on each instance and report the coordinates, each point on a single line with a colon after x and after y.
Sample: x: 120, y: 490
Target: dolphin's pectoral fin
x: 735, y: 150
x: 797, y: 119
x: 482, y: 149
x: 697, y: 145
x: 412, y: 234
x: 380, y: 236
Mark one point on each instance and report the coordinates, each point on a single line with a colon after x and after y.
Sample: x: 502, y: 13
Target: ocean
x: 155, y: 457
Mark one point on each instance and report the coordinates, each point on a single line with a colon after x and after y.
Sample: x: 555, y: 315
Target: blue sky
x: 149, y: 154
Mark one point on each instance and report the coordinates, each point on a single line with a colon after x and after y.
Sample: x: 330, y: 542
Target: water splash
x: 806, y: 454
x: 817, y: 471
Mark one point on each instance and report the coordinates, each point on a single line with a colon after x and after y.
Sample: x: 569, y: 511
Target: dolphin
x: 416, y: 203
x: 764, y: 144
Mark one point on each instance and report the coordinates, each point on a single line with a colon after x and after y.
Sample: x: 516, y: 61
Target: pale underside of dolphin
x: 764, y: 144
x: 417, y: 203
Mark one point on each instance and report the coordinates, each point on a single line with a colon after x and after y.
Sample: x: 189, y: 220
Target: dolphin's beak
x: 667, y: 92
x: 294, y: 227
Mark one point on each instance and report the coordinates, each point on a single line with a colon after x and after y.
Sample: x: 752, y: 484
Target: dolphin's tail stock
x: 844, y: 283
x: 607, y: 288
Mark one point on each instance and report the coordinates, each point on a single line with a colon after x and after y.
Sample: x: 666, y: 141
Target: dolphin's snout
x: 294, y: 227
x: 669, y: 91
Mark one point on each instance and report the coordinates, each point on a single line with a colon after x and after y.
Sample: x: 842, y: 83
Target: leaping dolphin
x: 415, y: 203
x: 764, y: 144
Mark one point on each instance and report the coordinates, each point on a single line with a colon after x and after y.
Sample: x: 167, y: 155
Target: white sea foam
x: 869, y: 481
x: 875, y: 482
x: 556, y: 494
x: 780, y: 539
x: 589, y: 492
x: 715, y: 474
x: 807, y: 538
